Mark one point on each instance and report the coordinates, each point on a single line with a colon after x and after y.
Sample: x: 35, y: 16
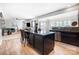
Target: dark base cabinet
x: 39, y: 44
x: 70, y: 38
x: 43, y: 44
x: 31, y: 39
x: 49, y: 44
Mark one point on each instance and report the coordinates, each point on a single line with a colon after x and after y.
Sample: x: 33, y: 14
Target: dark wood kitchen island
x: 42, y: 41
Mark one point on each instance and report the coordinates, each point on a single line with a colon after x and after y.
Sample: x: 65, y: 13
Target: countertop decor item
x: 74, y: 23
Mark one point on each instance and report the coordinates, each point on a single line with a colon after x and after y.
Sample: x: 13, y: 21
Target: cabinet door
x: 48, y: 44
x: 39, y: 43
x: 70, y: 38
x: 31, y: 39
x: 77, y: 40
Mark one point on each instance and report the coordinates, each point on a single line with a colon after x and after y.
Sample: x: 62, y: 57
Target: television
x: 28, y: 24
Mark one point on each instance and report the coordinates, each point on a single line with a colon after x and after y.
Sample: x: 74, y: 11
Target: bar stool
x: 26, y: 37
x: 22, y: 36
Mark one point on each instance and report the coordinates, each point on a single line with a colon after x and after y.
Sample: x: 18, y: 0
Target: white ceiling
x: 30, y: 10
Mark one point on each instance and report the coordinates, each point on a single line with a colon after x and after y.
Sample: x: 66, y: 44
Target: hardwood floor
x: 11, y: 45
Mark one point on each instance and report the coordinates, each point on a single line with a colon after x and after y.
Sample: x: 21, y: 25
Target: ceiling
x: 30, y: 10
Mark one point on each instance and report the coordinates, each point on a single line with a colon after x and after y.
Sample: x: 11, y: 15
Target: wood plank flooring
x: 11, y: 45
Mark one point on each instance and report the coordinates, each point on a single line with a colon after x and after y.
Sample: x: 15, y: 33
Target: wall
x: 61, y: 20
x: 0, y: 26
x: 19, y: 24
x: 0, y: 17
x: 64, y: 20
x: 13, y: 23
x: 44, y: 25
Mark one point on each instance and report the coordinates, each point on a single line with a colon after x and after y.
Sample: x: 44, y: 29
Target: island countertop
x: 41, y: 32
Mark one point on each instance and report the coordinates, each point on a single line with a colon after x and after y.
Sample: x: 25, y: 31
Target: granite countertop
x: 66, y: 29
x: 42, y: 32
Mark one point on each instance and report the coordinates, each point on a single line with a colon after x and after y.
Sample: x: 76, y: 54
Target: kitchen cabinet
x: 70, y: 38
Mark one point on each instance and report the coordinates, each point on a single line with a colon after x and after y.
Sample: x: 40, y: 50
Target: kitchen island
x: 42, y: 41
